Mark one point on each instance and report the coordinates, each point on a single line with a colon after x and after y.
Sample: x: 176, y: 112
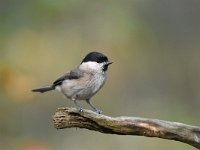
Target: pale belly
x: 75, y: 89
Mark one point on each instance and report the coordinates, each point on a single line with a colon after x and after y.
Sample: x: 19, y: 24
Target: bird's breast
x: 85, y: 87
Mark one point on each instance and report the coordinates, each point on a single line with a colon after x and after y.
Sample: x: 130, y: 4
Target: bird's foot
x: 98, y: 111
x: 80, y: 110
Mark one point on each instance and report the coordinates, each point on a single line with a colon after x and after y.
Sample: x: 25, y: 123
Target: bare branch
x: 70, y: 117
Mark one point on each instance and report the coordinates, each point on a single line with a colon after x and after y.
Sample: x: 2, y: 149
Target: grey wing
x: 73, y: 74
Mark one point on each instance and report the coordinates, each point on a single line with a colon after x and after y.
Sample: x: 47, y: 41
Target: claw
x: 94, y: 108
x: 80, y: 110
x: 98, y: 111
x: 77, y: 106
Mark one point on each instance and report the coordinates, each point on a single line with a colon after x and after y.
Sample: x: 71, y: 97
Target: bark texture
x: 70, y: 117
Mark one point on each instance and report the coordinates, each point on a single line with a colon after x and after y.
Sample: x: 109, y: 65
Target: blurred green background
x: 155, y: 46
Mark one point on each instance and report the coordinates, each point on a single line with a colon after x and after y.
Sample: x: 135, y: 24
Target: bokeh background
x: 155, y: 46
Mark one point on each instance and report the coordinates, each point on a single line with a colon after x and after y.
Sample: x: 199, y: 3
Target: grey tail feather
x: 44, y: 89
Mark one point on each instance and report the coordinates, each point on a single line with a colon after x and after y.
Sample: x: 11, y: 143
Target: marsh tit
x: 82, y: 82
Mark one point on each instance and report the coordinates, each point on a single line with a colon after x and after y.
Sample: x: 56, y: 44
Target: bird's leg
x: 77, y: 106
x: 95, y: 109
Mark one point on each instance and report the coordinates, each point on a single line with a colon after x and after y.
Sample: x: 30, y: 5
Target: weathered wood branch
x: 70, y: 117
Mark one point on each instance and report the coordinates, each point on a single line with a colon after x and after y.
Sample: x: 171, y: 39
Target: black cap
x: 96, y: 57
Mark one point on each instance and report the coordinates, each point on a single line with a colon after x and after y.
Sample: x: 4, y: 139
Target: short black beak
x: 109, y: 63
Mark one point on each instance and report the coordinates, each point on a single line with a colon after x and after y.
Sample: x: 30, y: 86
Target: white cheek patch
x: 89, y: 65
x: 93, y: 66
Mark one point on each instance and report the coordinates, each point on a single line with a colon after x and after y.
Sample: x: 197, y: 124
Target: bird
x: 83, y: 82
